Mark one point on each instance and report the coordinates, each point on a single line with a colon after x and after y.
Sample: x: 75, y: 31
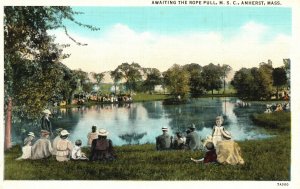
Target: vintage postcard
x: 150, y: 93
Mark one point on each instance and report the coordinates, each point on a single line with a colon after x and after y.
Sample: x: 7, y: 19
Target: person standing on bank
x: 45, y: 122
x: 193, y: 139
x: 102, y: 148
x: 164, y: 141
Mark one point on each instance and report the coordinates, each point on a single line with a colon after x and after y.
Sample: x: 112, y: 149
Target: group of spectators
x: 277, y: 107
x: 219, y: 146
x: 62, y: 148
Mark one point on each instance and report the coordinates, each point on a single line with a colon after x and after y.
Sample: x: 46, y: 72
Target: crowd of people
x: 279, y: 107
x: 219, y: 146
x: 62, y: 148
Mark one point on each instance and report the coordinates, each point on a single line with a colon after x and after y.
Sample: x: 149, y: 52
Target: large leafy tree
x: 196, y: 80
x: 212, y: 75
x: 131, y: 73
x: 116, y: 76
x: 31, y: 78
x: 225, y: 69
x: 154, y: 77
x: 176, y: 80
x: 99, y: 77
x: 279, y: 78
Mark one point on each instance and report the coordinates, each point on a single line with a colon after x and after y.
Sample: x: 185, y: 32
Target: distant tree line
x: 260, y: 83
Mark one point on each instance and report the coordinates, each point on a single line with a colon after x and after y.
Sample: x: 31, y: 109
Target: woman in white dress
x: 219, y: 133
x: 26, y: 149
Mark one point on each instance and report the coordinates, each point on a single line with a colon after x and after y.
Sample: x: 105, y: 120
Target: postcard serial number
x: 282, y: 184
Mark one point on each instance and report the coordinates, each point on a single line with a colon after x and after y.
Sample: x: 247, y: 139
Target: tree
x: 116, y: 76
x: 131, y: 73
x: 196, y: 80
x: 287, y: 65
x: 154, y: 77
x: 99, y: 77
x: 243, y: 82
x: 279, y: 78
x: 28, y: 45
x: 225, y: 69
x: 176, y: 80
x: 212, y: 74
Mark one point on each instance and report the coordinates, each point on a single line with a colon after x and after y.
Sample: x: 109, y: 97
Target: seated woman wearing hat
x: 42, y: 147
x: 26, y: 149
x: 228, y: 151
x: 64, y: 147
x: 102, y: 148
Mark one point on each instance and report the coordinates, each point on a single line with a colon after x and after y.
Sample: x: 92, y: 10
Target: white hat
x: 31, y: 134
x: 102, y: 132
x: 164, y: 128
x: 64, y: 132
x: 226, y: 135
x: 46, y: 111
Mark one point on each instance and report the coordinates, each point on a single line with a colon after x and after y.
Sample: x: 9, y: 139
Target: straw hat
x: 64, y: 133
x: 164, y: 128
x: 46, y: 111
x: 102, y: 132
x: 31, y: 134
x: 226, y: 135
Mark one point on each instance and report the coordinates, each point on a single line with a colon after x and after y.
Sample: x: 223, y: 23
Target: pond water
x: 140, y: 123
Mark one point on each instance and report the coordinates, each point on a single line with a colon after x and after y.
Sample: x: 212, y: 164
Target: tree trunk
x: 224, y: 87
x: 7, y: 142
x: 277, y: 92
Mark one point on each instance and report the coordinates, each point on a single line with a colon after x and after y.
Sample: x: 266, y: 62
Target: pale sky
x: 162, y: 36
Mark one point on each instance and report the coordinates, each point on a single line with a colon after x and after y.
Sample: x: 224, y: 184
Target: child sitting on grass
x: 76, y: 152
x: 210, y: 155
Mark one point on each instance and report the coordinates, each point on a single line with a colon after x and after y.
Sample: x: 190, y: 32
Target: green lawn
x: 267, y: 159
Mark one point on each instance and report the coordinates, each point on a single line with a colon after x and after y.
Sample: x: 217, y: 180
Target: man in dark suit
x: 46, y: 123
x: 193, y: 139
x: 164, y: 141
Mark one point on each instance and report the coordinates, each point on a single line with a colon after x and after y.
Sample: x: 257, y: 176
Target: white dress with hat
x: 26, y: 149
x: 219, y: 134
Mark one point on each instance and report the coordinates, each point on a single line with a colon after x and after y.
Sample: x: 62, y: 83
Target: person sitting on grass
x: 164, y: 141
x: 26, y: 149
x: 54, y: 142
x: 76, y: 152
x: 179, y: 141
x: 210, y: 155
x: 92, y: 135
x: 64, y: 147
x: 42, y: 147
x: 193, y: 139
x: 102, y: 148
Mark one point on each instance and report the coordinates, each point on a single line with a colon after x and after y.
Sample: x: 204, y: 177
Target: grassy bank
x: 267, y: 159
x: 276, y: 121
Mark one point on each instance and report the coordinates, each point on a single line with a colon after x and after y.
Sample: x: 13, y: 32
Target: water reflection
x: 139, y: 123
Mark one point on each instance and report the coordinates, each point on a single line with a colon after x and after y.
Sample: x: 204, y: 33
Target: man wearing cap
x: 164, y: 141
x: 26, y: 149
x: 45, y: 122
x: 193, y: 139
x: 102, y: 148
x: 64, y: 147
x: 42, y: 147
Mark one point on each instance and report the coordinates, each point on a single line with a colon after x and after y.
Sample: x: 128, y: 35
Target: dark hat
x: 78, y: 142
x: 192, y: 126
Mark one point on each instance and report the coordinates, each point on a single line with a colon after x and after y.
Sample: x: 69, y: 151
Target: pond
x: 139, y: 123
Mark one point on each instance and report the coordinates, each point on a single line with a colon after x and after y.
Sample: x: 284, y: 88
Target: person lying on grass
x: 210, y: 155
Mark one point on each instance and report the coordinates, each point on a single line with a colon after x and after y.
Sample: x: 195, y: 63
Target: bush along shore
x: 265, y: 159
